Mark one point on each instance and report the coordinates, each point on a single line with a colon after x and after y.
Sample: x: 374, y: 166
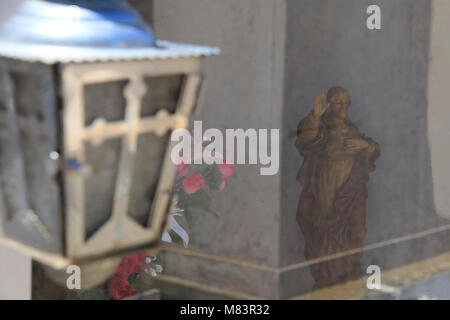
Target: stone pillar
x: 237, y: 254
x: 276, y: 56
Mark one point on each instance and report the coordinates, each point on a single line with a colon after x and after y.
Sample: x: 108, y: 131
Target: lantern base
x: 92, y: 273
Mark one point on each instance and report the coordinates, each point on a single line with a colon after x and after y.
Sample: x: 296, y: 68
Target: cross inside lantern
x: 85, y: 123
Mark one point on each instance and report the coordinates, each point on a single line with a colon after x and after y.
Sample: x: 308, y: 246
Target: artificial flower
x: 226, y: 169
x: 129, y: 265
x: 177, y: 228
x: 222, y: 185
x: 120, y: 288
x: 182, y: 169
x: 193, y: 183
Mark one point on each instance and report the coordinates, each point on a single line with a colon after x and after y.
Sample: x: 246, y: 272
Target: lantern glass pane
x: 29, y: 182
x: 102, y: 162
x: 36, y: 146
x: 147, y: 170
x: 162, y: 93
x: 104, y: 100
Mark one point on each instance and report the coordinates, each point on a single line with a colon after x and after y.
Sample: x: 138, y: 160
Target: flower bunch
x: 191, y: 188
x: 121, y: 285
x: 194, y: 181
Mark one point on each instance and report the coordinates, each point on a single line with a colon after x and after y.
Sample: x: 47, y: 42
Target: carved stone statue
x: 332, y: 206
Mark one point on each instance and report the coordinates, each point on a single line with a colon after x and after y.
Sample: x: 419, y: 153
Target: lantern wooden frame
x: 120, y: 234
x: 121, y: 231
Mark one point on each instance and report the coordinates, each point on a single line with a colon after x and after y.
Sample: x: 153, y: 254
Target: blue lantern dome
x: 63, y: 31
x: 82, y: 23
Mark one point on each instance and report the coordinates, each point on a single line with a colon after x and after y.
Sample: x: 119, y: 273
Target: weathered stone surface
x: 242, y: 89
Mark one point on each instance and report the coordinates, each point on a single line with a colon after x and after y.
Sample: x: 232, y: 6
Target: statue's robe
x: 332, y: 206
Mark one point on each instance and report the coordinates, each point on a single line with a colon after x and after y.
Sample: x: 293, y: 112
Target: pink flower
x: 193, y: 183
x: 120, y: 288
x: 227, y: 169
x: 182, y: 169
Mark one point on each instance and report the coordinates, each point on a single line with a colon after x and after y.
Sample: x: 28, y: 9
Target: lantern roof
x: 63, y: 31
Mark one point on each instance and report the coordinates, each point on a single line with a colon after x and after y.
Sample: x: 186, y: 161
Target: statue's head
x: 339, y: 100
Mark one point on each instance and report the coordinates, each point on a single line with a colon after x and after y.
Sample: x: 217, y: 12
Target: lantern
x: 89, y: 99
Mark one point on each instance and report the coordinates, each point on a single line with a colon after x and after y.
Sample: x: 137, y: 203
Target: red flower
x: 182, y: 169
x: 193, y: 183
x: 129, y: 265
x: 120, y: 288
x: 227, y: 169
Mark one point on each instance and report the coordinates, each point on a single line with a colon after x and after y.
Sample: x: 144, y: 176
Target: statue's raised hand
x: 319, y: 106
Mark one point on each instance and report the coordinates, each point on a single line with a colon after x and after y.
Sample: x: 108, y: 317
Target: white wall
x: 15, y: 275
x: 439, y: 105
